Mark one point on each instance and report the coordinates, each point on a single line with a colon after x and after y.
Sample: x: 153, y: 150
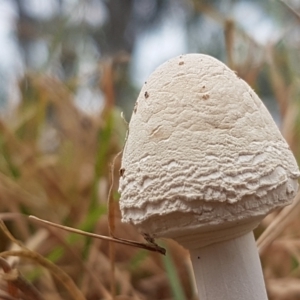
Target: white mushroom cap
x: 204, y: 160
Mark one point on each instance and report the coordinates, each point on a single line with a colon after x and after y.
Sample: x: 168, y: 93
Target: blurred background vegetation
x: 67, y: 70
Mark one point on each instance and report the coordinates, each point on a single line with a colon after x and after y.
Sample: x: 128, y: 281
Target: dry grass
x: 55, y: 164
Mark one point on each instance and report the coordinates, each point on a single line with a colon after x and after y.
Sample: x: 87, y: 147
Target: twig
x: 150, y: 247
x: 111, y: 227
x: 110, y: 199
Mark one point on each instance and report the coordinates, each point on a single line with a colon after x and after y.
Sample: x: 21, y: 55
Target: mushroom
x: 205, y: 163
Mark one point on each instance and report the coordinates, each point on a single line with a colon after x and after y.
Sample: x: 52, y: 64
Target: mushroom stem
x: 229, y: 270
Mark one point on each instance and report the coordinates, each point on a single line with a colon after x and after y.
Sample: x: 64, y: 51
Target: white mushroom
x: 203, y: 163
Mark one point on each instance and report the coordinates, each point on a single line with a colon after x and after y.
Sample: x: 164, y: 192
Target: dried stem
x: 151, y: 247
x: 229, y: 42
